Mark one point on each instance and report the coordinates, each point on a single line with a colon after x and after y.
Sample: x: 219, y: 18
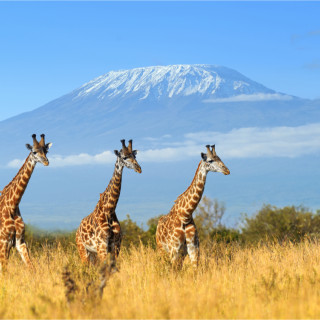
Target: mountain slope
x: 154, y: 101
x: 170, y: 81
x: 146, y: 104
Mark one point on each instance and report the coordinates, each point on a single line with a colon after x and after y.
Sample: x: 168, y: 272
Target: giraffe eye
x: 125, y: 158
x: 34, y: 152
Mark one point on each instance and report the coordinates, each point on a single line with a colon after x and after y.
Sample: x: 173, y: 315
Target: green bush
x: 227, y: 235
x: 208, y: 219
x: 132, y: 234
x: 278, y: 224
x: 36, y: 237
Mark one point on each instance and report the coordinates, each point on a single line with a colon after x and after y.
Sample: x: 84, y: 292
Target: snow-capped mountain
x: 155, y: 101
x: 171, y: 81
x: 159, y: 107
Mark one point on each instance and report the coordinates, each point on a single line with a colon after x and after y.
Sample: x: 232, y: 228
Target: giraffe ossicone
x: 12, y: 227
x: 176, y: 232
x: 99, y: 233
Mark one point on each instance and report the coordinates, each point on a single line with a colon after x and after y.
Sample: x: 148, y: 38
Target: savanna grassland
x: 232, y: 281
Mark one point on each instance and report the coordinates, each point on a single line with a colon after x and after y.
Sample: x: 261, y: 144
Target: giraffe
x: 12, y: 227
x: 99, y: 233
x: 176, y: 232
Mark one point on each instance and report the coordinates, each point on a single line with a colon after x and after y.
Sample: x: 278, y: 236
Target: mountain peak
x: 207, y: 81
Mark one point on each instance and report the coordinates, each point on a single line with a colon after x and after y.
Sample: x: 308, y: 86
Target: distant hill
x: 153, y: 101
x: 162, y: 108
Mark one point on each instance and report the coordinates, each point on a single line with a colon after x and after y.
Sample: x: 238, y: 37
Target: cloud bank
x: 73, y: 160
x: 290, y: 142
x: 251, y: 98
x: 264, y: 142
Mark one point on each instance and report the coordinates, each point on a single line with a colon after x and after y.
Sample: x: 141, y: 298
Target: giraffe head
x: 212, y: 162
x: 127, y: 156
x: 39, y: 150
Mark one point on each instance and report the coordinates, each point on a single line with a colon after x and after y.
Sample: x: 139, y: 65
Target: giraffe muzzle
x: 45, y: 163
x: 226, y: 172
x: 138, y: 169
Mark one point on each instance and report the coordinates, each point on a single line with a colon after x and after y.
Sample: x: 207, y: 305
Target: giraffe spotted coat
x: 99, y: 233
x: 12, y: 227
x: 176, y: 232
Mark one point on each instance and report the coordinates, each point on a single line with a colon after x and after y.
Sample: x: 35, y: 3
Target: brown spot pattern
x: 11, y: 224
x: 173, y: 231
x: 100, y: 233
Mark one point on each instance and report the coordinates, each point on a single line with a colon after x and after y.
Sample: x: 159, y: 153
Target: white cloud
x: 251, y: 97
x: 152, y: 139
x: 16, y: 163
x: 251, y: 142
x: 169, y: 154
x: 72, y: 160
x: 263, y: 142
x: 82, y: 159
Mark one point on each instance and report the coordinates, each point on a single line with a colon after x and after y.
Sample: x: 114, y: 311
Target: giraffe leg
x: 105, y: 243
x: 176, y: 251
x: 83, y: 252
x: 114, y: 249
x: 178, y: 257
x: 20, y: 242
x: 102, y: 251
x: 92, y: 257
x: 24, y: 252
x: 117, y: 246
x: 4, y: 254
x: 7, y: 237
x: 117, y: 238
x: 161, y: 249
x: 192, y: 242
x: 162, y: 240
x: 159, y: 243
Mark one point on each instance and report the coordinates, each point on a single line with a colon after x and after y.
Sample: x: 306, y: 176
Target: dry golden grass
x: 274, y: 281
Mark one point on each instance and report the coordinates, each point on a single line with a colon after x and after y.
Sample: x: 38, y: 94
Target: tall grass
x: 232, y: 281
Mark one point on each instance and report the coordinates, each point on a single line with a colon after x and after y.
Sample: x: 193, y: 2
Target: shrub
x: 208, y: 219
x: 288, y: 223
x: 36, y: 237
x: 132, y: 234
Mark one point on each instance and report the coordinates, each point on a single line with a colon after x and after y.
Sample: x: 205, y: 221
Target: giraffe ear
x: 48, y: 145
x: 116, y: 152
x: 135, y: 152
x: 28, y: 146
x: 204, y: 156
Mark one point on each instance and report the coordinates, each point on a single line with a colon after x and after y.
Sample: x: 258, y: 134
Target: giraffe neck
x: 109, y: 198
x: 14, y: 191
x: 188, y: 201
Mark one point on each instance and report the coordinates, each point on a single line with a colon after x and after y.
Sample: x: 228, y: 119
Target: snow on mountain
x: 161, y: 108
x: 171, y: 81
x: 152, y: 102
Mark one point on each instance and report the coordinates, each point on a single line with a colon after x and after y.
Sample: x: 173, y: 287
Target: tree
x: 131, y: 232
x: 208, y: 217
x: 150, y: 235
x: 288, y: 223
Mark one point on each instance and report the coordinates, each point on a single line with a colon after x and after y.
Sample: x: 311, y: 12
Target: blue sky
x: 51, y: 48
x: 47, y: 49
